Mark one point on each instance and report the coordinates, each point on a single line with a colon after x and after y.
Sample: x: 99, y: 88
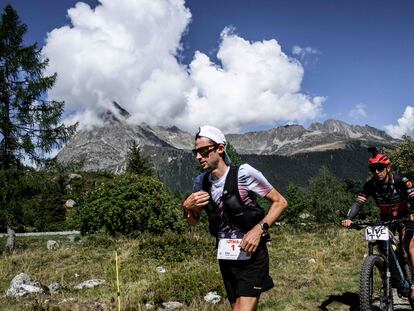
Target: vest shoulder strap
x: 231, y: 185
x: 206, y: 183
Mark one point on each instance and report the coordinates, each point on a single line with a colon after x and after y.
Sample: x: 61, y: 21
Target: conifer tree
x: 136, y: 163
x: 29, y: 123
x: 233, y: 155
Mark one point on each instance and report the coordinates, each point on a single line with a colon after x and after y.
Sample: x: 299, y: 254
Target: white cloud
x: 256, y: 84
x: 122, y: 51
x: 126, y: 51
x: 358, y: 112
x: 405, y: 124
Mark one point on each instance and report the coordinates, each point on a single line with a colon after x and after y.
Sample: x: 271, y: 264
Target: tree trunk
x: 11, y: 239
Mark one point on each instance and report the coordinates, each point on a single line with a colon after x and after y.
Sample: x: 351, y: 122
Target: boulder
x: 22, y: 285
x: 212, y: 297
x: 52, y: 244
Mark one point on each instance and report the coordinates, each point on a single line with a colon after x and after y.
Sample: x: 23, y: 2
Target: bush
x: 299, y: 205
x: 328, y: 197
x: 175, y: 248
x: 130, y: 204
x: 402, y: 157
x: 35, y: 201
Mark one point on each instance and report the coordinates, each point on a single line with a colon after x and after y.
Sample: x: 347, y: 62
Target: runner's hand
x: 251, y: 239
x: 411, y: 217
x: 346, y: 223
x: 196, y: 201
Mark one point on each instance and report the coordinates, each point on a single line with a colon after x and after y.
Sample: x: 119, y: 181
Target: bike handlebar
x: 362, y: 225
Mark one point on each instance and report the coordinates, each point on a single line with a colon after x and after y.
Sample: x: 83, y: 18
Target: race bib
x: 228, y: 246
x: 376, y: 233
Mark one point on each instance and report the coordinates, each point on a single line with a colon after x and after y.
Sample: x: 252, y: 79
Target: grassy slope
x: 192, y: 271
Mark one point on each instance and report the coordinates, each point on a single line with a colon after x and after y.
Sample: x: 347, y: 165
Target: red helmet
x: 377, y: 158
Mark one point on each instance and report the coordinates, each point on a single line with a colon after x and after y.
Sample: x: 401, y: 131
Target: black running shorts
x: 247, y: 278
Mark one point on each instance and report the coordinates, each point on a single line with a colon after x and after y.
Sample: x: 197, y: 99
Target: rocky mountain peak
x: 292, y: 139
x: 115, y: 114
x: 105, y: 148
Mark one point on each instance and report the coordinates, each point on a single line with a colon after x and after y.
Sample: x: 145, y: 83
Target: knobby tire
x: 372, y: 289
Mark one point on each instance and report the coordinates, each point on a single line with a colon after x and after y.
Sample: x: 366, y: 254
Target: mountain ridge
x: 104, y: 148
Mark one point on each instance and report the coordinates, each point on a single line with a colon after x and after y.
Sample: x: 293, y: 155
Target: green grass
x: 192, y: 271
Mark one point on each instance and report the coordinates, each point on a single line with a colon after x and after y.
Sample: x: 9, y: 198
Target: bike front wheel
x: 375, y: 292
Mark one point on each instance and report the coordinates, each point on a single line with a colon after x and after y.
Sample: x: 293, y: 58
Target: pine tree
x: 136, y: 163
x: 233, y: 155
x: 29, y: 124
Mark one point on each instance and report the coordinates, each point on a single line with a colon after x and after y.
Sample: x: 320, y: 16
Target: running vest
x: 235, y: 214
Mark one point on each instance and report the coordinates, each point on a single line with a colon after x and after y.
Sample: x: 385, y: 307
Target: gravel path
x: 44, y: 233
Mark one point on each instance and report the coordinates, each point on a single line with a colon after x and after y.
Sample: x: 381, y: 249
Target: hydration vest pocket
x: 214, y: 220
x: 243, y: 217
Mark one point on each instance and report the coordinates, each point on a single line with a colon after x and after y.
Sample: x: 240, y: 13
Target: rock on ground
x: 89, y: 284
x: 212, y: 297
x: 22, y: 285
x: 171, y: 305
x: 51, y: 244
x: 54, y: 288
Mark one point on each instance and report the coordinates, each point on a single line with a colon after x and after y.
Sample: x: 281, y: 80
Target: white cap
x: 213, y: 133
x: 216, y: 136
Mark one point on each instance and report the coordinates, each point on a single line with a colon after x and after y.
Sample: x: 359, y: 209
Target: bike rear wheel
x: 373, y: 292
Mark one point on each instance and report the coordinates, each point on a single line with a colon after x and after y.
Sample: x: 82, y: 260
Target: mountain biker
x: 245, y: 277
x: 393, y: 194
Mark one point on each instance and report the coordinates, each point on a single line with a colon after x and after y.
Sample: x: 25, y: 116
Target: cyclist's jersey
x: 392, y: 198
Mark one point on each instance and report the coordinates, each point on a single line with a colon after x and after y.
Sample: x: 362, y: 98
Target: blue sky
x: 347, y: 60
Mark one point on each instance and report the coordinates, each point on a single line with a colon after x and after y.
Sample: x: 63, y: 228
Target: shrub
x: 299, y: 205
x: 130, y: 204
x: 328, y: 197
x: 35, y: 201
x: 402, y: 157
x: 175, y: 248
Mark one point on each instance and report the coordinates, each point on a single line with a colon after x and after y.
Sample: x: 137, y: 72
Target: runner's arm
x: 252, y: 238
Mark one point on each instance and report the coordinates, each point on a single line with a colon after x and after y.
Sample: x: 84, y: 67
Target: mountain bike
x: 386, y: 266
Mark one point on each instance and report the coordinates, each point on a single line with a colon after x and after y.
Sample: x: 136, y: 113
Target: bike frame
x: 390, y: 258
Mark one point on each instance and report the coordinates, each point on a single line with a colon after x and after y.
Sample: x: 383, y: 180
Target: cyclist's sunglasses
x: 379, y: 167
x: 205, y: 150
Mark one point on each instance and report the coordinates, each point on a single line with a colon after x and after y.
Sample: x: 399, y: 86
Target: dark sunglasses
x: 379, y: 168
x: 204, y: 151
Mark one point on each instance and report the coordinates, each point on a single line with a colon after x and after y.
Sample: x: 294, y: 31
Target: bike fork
x: 388, y: 288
